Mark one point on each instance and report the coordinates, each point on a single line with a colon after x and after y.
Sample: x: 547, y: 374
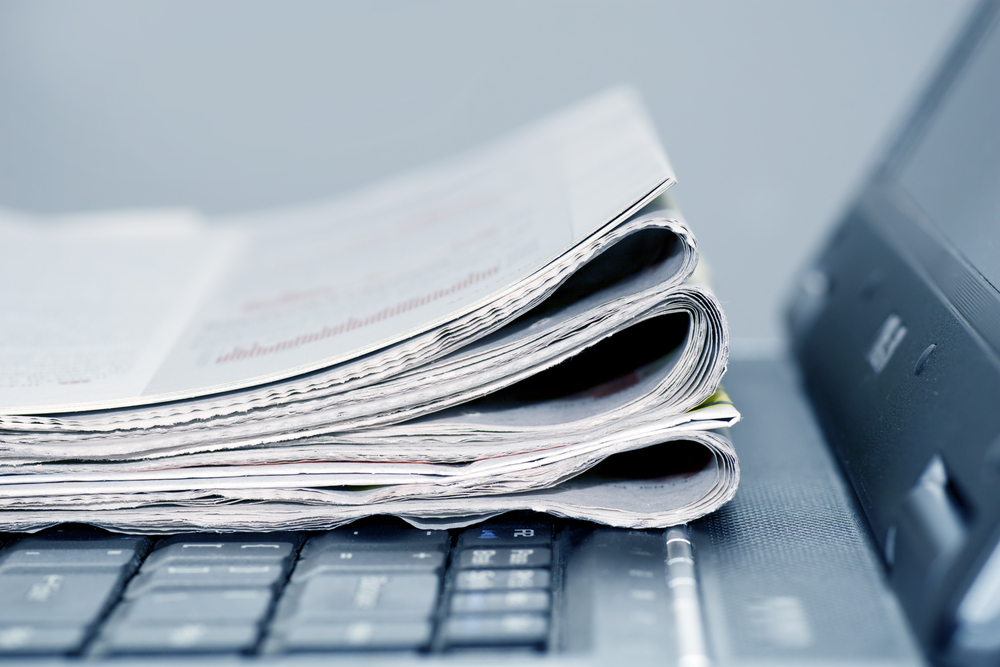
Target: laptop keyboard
x: 371, y: 586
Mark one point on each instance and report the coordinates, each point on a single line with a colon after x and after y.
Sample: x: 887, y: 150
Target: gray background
x: 771, y: 112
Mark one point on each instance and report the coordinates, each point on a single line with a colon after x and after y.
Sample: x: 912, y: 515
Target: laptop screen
x: 952, y: 173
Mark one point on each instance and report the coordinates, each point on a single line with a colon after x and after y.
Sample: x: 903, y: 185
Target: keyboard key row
x: 480, y: 558
x: 507, y: 533
x: 486, y: 580
x: 508, y: 601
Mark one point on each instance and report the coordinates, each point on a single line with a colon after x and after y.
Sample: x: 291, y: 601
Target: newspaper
x: 453, y: 344
x: 656, y: 501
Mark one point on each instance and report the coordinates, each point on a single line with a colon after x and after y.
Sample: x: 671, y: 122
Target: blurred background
x: 772, y: 112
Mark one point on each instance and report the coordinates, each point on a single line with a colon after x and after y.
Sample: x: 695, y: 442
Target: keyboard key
x: 40, y: 638
x: 224, y: 606
x: 232, y: 538
x: 482, y: 580
x: 86, y: 539
x: 54, y: 597
x: 530, y: 600
x: 206, y: 576
x: 46, y: 558
x: 492, y: 630
x: 383, y: 635
x: 180, y: 638
x: 384, y: 596
x: 369, y: 561
x: 195, y: 575
x: 515, y: 533
x: 51, y: 553
x: 233, y: 552
x: 377, y: 536
x: 480, y: 558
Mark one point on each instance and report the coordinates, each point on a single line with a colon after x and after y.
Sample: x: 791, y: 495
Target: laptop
x: 866, y: 529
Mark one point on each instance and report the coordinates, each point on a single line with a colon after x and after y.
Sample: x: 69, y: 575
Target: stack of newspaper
x: 518, y: 328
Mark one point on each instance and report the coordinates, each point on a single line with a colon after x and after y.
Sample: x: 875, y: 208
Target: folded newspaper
x: 518, y: 328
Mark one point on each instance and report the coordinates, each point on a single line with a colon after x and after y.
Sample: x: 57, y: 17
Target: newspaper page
x: 313, y: 287
x: 92, y: 304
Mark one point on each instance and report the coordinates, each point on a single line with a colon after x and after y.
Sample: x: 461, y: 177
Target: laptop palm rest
x: 788, y: 569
